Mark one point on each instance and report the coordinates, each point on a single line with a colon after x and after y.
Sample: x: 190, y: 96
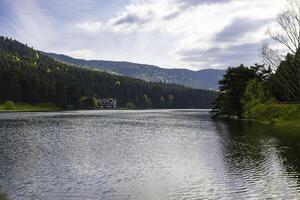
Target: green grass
x: 22, y: 107
x: 279, y: 114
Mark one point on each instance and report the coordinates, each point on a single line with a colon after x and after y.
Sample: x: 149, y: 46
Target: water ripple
x: 155, y: 154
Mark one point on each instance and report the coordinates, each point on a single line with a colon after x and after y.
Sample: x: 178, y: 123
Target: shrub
x: 118, y: 83
x: 88, y: 103
x: 273, y: 112
x: 9, y: 105
x: 255, y: 93
x: 130, y: 105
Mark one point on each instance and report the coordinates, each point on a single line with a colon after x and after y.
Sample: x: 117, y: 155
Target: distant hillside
x: 206, y: 79
x: 30, y: 77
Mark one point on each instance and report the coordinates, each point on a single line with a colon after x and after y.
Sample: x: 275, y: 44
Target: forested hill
x: 207, y: 78
x: 28, y: 76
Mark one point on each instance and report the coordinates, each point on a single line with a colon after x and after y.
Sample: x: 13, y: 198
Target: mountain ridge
x: 201, y: 79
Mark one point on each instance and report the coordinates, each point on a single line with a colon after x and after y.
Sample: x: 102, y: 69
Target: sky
x: 192, y: 34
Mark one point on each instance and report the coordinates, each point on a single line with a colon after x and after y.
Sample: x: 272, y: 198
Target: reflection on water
x: 263, y: 161
x: 161, y: 154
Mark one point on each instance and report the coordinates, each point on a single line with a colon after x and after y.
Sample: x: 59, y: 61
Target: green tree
x: 289, y: 69
x: 285, y: 82
x: 9, y: 105
x: 88, y: 103
x: 255, y: 93
x: 130, y: 105
x: 232, y: 88
x: 118, y: 83
x: 147, y: 101
x: 170, y: 101
x: 162, y: 102
x: 61, y: 94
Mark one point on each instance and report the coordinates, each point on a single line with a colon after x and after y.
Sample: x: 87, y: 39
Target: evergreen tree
x: 288, y: 69
x: 232, y: 88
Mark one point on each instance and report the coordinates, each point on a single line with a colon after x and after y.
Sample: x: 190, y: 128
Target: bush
x: 276, y: 112
x: 88, y: 103
x: 130, y: 105
x: 9, y: 105
x: 255, y: 93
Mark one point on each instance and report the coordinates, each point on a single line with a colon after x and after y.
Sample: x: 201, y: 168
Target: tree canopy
x: 232, y: 88
x: 288, y: 69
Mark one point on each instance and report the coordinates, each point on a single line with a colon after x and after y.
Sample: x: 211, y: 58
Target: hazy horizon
x: 187, y: 34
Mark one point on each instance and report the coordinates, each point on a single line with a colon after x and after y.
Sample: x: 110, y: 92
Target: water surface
x: 155, y: 154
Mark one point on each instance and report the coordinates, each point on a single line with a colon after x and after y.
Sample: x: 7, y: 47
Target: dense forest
x: 28, y: 76
x: 257, y: 92
x: 203, y: 79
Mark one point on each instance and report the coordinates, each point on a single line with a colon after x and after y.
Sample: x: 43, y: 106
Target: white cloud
x: 143, y: 16
x: 159, y: 32
x: 91, y: 27
x: 82, y: 53
x: 195, y: 26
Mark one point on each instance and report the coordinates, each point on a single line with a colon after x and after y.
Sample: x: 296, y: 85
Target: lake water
x: 155, y: 154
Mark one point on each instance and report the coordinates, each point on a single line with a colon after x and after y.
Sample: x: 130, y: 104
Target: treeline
x: 259, y: 92
x: 28, y: 76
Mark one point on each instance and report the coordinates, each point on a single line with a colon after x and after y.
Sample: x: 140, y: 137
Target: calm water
x: 161, y: 154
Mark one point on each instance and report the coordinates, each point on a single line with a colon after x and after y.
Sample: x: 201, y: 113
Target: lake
x: 147, y: 154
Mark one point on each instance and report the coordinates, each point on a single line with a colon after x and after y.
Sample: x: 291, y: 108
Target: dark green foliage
x: 61, y: 94
x: 88, y: 103
x: 276, y: 112
x: 130, y: 105
x: 147, y: 102
x: 162, y: 102
x: 232, y: 88
x: 285, y: 83
x: 117, y: 83
x: 28, y: 76
x: 255, y: 93
x: 9, y: 105
x: 170, y: 101
x: 252, y: 92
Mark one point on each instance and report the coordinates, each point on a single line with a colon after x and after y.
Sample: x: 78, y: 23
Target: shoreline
x: 275, y: 123
x: 64, y: 110
x: 234, y: 118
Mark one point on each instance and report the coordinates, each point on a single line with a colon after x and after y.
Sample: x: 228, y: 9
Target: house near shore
x: 107, y: 103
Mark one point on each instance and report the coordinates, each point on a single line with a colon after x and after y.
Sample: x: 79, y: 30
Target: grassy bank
x: 278, y: 114
x: 25, y: 107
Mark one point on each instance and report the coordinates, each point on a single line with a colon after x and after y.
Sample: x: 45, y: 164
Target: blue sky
x: 194, y: 34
